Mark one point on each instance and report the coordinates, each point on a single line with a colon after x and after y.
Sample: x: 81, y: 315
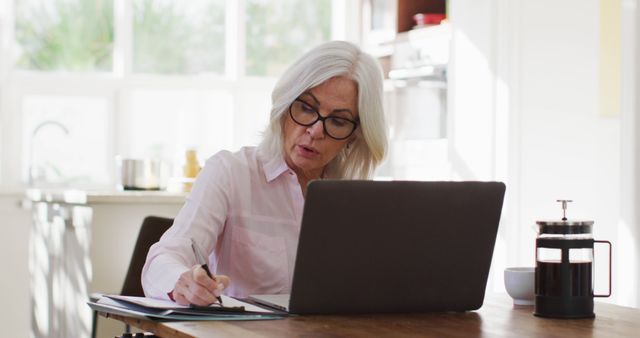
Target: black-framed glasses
x: 336, y: 127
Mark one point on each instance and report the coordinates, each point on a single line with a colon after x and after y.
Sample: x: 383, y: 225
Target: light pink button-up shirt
x: 245, y: 211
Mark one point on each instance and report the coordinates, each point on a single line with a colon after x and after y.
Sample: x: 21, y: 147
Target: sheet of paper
x: 149, y: 302
x: 167, y: 304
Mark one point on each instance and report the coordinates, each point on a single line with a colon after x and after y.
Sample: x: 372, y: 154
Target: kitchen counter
x: 77, y: 196
x: 88, y: 237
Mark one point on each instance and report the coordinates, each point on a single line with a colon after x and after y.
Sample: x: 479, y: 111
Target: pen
x: 203, y: 262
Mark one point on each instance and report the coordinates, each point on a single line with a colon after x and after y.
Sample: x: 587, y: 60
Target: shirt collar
x: 273, y: 167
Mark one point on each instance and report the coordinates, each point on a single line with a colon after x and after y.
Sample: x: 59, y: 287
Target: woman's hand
x: 195, y: 287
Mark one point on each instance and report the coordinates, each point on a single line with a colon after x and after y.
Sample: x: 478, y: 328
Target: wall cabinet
x: 383, y: 20
x: 407, y: 9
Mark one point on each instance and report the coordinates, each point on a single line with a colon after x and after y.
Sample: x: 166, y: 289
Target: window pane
x: 74, y: 35
x: 251, y: 116
x: 275, y: 37
x: 164, y: 123
x: 178, y: 36
x: 66, y: 140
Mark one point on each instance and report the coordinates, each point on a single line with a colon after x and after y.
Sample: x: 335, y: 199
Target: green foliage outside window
x: 168, y: 36
x: 171, y: 37
x: 280, y: 31
x: 64, y: 35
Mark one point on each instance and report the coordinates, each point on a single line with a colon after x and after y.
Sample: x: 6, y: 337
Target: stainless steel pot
x: 141, y: 174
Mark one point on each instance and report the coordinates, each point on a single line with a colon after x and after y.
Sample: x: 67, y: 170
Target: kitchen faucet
x: 35, y: 132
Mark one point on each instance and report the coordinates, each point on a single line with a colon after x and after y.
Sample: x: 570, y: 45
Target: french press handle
x: 608, y: 243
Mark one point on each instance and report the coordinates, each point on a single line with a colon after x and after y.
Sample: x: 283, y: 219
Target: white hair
x: 328, y: 60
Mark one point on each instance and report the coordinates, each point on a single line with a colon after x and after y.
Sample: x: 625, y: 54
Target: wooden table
x: 497, y: 318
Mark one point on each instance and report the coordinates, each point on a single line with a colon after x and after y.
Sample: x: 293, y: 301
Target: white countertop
x: 77, y: 196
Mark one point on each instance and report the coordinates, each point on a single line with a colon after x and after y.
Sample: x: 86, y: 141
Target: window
x: 65, y: 139
x: 141, y: 78
x: 166, y: 122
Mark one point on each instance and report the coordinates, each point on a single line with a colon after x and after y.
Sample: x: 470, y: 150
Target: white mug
x: 520, y: 284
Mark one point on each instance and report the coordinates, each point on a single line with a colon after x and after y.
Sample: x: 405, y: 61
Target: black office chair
x: 150, y: 232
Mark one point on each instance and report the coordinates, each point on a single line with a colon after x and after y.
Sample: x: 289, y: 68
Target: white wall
x: 471, y: 121
x: 525, y: 109
x: 629, y: 226
x: 567, y: 148
x: 477, y: 126
x: 635, y: 138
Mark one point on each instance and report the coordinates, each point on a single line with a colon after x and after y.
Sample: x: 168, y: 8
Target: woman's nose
x: 316, y: 130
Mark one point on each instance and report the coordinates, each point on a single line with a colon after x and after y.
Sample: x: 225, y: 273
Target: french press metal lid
x: 565, y: 226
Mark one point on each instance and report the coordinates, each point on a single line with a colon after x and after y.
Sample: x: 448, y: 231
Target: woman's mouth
x: 307, y: 151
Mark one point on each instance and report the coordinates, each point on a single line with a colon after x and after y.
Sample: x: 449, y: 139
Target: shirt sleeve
x: 202, y: 218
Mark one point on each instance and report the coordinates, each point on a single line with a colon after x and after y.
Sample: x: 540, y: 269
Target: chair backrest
x: 150, y: 232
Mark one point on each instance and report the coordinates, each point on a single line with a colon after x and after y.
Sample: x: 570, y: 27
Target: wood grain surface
x: 497, y: 318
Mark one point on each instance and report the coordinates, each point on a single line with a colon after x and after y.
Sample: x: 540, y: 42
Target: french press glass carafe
x: 564, y: 268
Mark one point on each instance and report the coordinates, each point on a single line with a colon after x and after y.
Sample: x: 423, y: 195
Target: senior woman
x: 245, y: 208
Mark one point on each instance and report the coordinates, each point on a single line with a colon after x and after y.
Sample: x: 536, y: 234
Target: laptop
x: 393, y: 246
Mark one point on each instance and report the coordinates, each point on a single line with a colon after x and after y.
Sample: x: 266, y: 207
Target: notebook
x: 393, y: 246
x: 144, y: 308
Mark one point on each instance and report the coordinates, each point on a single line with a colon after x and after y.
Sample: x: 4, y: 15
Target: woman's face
x: 308, y: 149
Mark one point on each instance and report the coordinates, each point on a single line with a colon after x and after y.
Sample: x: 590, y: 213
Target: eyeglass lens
x: 336, y: 127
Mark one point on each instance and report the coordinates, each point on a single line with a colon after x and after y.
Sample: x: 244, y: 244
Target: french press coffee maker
x: 564, y: 268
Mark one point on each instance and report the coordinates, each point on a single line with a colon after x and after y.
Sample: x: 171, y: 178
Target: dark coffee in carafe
x: 550, y: 283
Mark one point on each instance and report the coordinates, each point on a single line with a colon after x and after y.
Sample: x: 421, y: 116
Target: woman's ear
x: 351, y: 140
